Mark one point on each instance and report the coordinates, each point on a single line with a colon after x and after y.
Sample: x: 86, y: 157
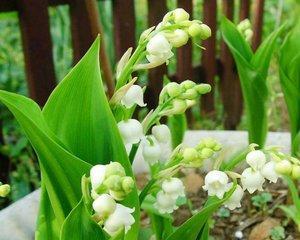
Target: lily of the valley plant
x: 86, y: 146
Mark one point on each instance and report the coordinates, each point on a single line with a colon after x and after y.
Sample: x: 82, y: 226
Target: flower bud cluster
x: 109, y: 185
x: 244, y: 27
x: 171, y: 190
x: 4, y: 190
x: 286, y: 165
x: 174, y: 31
x: 181, y: 96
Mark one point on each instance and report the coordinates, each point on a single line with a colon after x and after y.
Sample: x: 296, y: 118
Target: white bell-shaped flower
x: 131, y: 131
x: 173, y: 187
x: 165, y: 203
x: 134, y: 95
x: 120, y: 218
x: 256, y: 159
x: 252, y: 180
x: 162, y: 133
x: 268, y: 172
x: 216, y: 183
x: 159, y: 50
x: 151, y: 150
x: 104, y: 205
x: 97, y: 175
x: 235, y: 199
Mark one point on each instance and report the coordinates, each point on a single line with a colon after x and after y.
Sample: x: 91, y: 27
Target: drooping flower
x: 134, y: 95
x: 97, y: 175
x: 151, y: 150
x: 165, y: 203
x: 268, y: 172
x: 216, y: 183
x: 120, y: 218
x: 131, y: 131
x: 173, y: 187
x: 161, y: 133
x: 256, y: 159
x: 104, y: 205
x: 235, y: 199
x: 159, y: 51
x: 284, y: 167
x: 252, y: 180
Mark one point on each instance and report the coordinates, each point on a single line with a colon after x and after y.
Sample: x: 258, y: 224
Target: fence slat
x: 209, y: 55
x: 244, y: 9
x: 85, y: 26
x: 156, y: 11
x: 124, y: 25
x: 230, y: 85
x: 257, y: 23
x: 37, y: 47
x: 4, y: 160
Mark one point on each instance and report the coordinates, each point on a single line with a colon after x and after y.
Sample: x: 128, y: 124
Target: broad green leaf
x: 289, y: 62
x: 178, y: 126
x: 61, y: 171
x: 192, y: 228
x: 79, y: 114
x: 252, y: 69
x: 79, y: 225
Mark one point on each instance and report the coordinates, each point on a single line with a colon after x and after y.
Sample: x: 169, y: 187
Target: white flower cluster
x: 172, y: 189
x: 109, y: 185
x: 252, y: 179
x: 174, y: 31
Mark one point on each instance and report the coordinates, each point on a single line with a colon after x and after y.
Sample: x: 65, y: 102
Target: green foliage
x: 277, y: 233
x: 252, y: 69
x: 73, y: 122
x: 223, y: 213
x: 261, y: 200
x: 290, y: 83
x: 178, y: 126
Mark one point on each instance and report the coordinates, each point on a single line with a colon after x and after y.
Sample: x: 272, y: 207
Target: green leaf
x: 192, y: 228
x: 61, y: 171
x: 79, y: 114
x: 289, y: 62
x: 178, y: 126
x: 252, y: 69
x: 79, y: 225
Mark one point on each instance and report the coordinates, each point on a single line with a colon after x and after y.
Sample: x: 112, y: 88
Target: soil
x: 254, y: 223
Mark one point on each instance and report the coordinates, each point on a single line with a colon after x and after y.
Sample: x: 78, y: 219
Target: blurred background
x: 41, y: 40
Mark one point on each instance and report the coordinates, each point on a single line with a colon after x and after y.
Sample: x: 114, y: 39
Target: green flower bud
x: 179, y: 106
x: 244, y: 25
x: 190, y: 103
x: 203, y: 88
x: 178, y: 38
x: 206, y: 153
x: 118, y: 195
x: 4, y: 190
x: 127, y: 184
x: 217, y: 147
x: 284, y: 167
x: 180, y: 15
x: 114, y: 168
x: 190, y: 155
x: 188, y: 84
x: 173, y: 89
x: 206, y: 32
x: 210, y: 142
x: 195, y: 29
x: 114, y: 183
x: 189, y: 94
x: 296, y: 172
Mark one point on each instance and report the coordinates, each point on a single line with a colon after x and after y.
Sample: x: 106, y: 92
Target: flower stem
x: 146, y: 189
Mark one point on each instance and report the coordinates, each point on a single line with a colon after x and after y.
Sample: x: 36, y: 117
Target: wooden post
x: 37, y: 47
x: 124, y: 25
x: 230, y: 84
x: 257, y: 23
x: 85, y: 26
x: 244, y: 9
x: 4, y: 160
x: 156, y: 11
x: 209, y: 55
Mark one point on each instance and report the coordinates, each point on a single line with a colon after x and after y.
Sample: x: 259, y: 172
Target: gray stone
x: 18, y: 220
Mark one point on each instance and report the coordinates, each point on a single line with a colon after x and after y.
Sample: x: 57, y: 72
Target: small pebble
x: 238, y: 234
